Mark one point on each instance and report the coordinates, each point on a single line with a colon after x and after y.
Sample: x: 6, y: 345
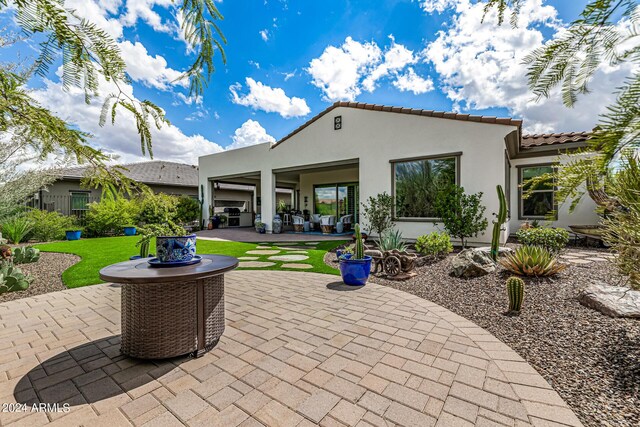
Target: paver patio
x: 299, y: 349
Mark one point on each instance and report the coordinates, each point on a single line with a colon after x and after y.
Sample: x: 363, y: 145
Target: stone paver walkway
x: 299, y: 349
x: 584, y: 258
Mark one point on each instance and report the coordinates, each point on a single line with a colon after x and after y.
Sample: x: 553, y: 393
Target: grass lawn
x: 100, y: 252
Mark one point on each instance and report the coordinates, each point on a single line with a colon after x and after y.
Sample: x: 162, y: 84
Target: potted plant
x: 260, y: 227
x: 344, y: 251
x: 355, y: 268
x: 162, y: 233
x: 74, y: 234
x: 130, y: 230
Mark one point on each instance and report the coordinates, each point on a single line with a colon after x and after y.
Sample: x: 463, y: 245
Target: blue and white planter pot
x: 355, y: 272
x: 175, y: 248
x: 73, y: 234
x: 129, y: 231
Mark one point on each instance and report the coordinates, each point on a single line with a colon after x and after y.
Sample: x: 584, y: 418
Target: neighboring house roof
x: 537, y: 140
x: 402, y: 110
x: 155, y: 172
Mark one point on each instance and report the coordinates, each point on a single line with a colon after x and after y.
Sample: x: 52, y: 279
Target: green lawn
x: 100, y: 252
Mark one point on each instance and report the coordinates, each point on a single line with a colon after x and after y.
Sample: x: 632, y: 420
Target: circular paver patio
x: 299, y: 349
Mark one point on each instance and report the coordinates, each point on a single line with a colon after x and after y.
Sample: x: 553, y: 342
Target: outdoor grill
x: 233, y: 215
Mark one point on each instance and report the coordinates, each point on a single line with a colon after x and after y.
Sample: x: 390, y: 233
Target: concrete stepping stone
x: 297, y: 252
x: 287, y: 248
x: 288, y: 258
x: 596, y: 259
x: 264, y: 247
x: 297, y: 266
x: 255, y: 264
x: 579, y: 261
x: 264, y: 252
x: 248, y: 258
x: 311, y: 243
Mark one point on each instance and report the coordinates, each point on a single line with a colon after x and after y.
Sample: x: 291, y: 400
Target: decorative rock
x: 613, y: 301
x: 297, y: 266
x: 263, y: 252
x: 248, y: 258
x: 472, y: 263
x: 288, y: 258
x: 255, y: 264
x: 502, y: 250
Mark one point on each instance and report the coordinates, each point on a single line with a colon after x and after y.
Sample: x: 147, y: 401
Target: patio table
x: 169, y: 312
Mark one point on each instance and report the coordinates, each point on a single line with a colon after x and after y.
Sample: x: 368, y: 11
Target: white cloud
x: 412, y: 82
x: 152, y: 71
x: 98, y: 13
x: 264, y: 34
x: 438, y: 6
x: 343, y: 72
x: 143, y: 10
x: 250, y: 133
x: 480, y: 65
x: 271, y: 100
x: 169, y: 142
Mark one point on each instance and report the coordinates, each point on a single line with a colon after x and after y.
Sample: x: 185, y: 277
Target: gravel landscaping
x: 47, y: 273
x: 593, y: 361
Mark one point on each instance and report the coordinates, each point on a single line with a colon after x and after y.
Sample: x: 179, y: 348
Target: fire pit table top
x: 140, y: 272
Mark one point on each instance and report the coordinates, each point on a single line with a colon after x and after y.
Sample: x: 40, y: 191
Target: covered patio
x: 249, y: 235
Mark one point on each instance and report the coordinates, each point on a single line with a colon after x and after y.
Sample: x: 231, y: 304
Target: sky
x: 288, y: 60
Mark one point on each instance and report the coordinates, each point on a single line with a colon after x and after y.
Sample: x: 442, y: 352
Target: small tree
x: 377, y: 213
x: 462, y: 214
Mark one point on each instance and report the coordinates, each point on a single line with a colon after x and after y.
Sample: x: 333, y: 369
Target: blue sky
x: 301, y: 56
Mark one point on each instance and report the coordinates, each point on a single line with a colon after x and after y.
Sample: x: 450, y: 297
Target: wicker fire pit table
x: 168, y: 312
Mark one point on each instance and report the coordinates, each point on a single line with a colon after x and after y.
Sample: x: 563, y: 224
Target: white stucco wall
x: 584, y: 214
x: 375, y: 138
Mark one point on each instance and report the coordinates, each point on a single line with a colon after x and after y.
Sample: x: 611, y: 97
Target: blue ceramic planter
x: 355, y: 272
x: 73, y: 234
x: 129, y: 231
x: 173, y: 249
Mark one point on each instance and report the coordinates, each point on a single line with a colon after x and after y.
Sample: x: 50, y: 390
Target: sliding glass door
x: 336, y: 199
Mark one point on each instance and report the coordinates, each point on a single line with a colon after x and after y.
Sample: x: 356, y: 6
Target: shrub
x: 434, y: 244
x: 552, y: 239
x: 110, y: 216
x: 48, y: 226
x: 377, y: 212
x: 13, y: 279
x: 157, y: 209
x: 392, y: 240
x: 462, y: 214
x: 17, y: 228
x: 25, y: 255
x: 187, y: 209
x: 532, y: 261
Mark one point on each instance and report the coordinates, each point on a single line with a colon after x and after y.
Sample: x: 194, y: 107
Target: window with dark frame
x: 416, y: 183
x: 540, y: 200
x: 79, y: 201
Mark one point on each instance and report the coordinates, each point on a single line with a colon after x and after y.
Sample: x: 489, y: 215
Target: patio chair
x: 327, y: 222
x: 315, y: 220
x: 298, y: 224
x: 346, y: 222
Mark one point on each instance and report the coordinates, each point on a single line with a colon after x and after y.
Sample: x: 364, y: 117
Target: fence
x: 75, y: 204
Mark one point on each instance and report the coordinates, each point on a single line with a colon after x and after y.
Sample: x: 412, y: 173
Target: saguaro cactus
x: 501, y: 218
x: 359, y: 252
x: 515, y: 291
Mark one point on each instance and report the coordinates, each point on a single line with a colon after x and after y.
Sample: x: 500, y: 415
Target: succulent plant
x: 515, y: 291
x: 359, y: 251
x: 13, y: 279
x: 25, y: 255
x: 501, y: 218
x: 532, y: 261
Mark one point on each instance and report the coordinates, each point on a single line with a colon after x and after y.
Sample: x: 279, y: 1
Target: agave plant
x: 532, y: 261
x: 392, y: 240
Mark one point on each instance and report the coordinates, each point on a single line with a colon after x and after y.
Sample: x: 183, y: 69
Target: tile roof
x: 154, y: 172
x: 402, y: 110
x: 536, y: 140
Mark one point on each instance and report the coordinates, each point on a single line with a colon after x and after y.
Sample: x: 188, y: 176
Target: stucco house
x: 351, y: 151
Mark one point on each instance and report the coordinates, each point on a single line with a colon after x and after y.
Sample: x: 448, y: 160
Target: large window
x: 79, y: 201
x: 336, y: 199
x: 540, y: 200
x: 417, y: 182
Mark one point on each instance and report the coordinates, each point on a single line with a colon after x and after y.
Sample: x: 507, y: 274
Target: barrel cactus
x: 515, y: 291
x: 144, y: 249
x: 359, y: 250
x: 501, y: 218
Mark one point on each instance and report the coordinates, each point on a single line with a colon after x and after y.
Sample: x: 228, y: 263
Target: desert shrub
x: 110, y: 216
x: 157, y: 208
x: 532, y: 261
x: 377, y: 213
x: 390, y: 240
x: 16, y: 229
x: 187, y: 209
x: 25, y: 255
x: 552, y: 239
x: 434, y: 244
x: 48, y: 226
x: 462, y: 214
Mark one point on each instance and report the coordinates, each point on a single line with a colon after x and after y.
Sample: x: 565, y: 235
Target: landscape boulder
x: 613, y: 301
x: 472, y: 263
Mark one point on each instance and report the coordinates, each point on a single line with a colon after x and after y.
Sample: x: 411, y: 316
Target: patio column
x: 207, y: 200
x: 267, y: 198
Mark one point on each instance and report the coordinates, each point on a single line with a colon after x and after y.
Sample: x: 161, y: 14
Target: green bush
x: 377, y: 213
x: 157, y: 209
x: 25, y: 255
x: 552, y: 239
x: 434, y: 244
x: 48, y: 226
x: 461, y: 213
x: 13, y: 279
x: 110, y: 216
x: 187, y: 209
x: 17, y: 228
